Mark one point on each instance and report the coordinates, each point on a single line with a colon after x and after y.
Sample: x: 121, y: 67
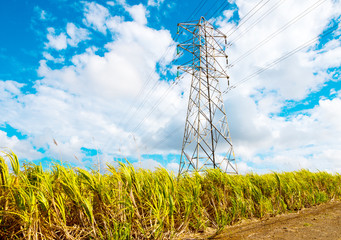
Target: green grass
x: 72, y: 203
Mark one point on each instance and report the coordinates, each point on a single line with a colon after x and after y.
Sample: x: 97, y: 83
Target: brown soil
x: 318, y: 222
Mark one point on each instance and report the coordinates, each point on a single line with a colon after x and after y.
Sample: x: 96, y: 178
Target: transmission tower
x: 207, y: 142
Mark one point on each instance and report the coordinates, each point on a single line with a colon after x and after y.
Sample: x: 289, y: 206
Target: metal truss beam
x: 207, y: 141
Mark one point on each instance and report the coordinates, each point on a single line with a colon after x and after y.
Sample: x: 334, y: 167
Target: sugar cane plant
x: 125, y: 203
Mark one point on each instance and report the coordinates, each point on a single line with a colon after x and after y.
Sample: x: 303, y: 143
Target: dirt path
x: 318, y: 222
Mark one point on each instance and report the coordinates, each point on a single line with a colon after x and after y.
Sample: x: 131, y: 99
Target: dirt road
x: 318, y: 222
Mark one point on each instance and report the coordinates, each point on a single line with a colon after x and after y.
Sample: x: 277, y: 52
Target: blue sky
x: 91, y: 81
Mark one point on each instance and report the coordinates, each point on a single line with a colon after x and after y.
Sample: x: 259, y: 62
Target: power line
x: 275, y: 6
x: 161, y: 113
x: 242, y: 19
x: 164, y: 95
x: 196, y: 10
x: 146, y: 98
x: 211, y: 8
x: 220, y: 9
x: 274, y: 34
x: 222, y: 6
x: 245, y: 18
x: 168, y: 135
x: 158, y: 82
x: 280, y: 59
x: 248, y: 18
x: 135, y: 101
x: 247, y: 78
x: 140, y: 107
x: 316, y: 4
x: 147, y: 83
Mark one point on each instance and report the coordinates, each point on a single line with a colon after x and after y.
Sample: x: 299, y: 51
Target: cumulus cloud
x: 23, y: 148
x: 9, y: 89
x: 94, y: 92
x: 49, y: 57
x: 96, y: 16
x: 71, y: 37
x: 96, y: 95
x: 138, y: 13
x: 57, y: 42
x: 262, y: 139
x: 76, y: 34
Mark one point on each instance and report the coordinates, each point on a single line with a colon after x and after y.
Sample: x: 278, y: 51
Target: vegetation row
x: 125, y: 203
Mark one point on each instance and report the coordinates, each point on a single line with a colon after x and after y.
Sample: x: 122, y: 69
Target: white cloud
x: 94, y: 97
x: 114, y: 23
x: 92, y: 94
x: 155, y: 3
x: 259, y: 136
x: 96, y: 16
x: 243, y: 168
x: 22, y: 148
x: 330, y: 58
x: 147, y: 164
x: 111, y: 3
x: 76, y: 34
x: 228, y: 14
x: 9, y: 89
x: 49, y: 57
x: 72, y: 37
x: 43, y: 15
x: 138, y: 13
x: 339, y: 93
x: 173, y: 166
x: 302, y: 141
x: 57, y: 42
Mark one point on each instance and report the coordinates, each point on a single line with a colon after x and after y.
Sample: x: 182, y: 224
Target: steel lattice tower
x: 207, y: 142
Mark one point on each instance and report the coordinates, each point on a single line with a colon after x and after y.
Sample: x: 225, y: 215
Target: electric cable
x: 280, y: 59
x: 164, y: 95
x: 244, y: 55
x: 275, y: 6
x: 210, y: 8
x: 242, y: 19
x: 198, y: 8
x: 246, y: 19
x: 274, y: 34
x: 219, y: 9
x: 273, y: 63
